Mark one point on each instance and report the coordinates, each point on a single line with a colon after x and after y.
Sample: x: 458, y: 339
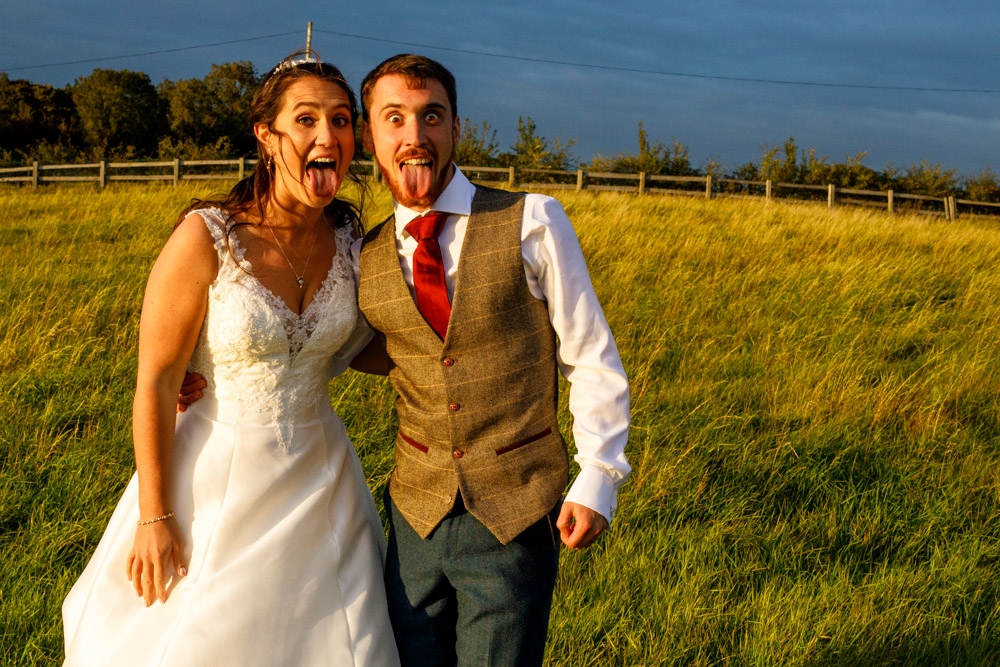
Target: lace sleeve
x: 215, y: 220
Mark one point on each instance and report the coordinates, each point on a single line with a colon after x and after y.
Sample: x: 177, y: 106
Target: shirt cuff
x: 594, y: 489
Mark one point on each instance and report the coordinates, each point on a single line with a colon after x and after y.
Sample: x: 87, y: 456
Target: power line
x: 150, y: 53
x: 548, y: 61
x: 634, y: 70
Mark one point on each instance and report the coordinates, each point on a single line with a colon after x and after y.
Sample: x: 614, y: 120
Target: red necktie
x: 428, y: 271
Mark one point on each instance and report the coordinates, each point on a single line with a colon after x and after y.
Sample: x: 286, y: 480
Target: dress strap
x: 226, y: 246
x: 215, y: 220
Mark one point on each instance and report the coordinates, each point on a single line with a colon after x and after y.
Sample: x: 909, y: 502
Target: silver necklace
x: 298, y: 278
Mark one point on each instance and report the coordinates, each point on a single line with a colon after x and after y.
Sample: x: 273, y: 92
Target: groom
x: 479, y: 305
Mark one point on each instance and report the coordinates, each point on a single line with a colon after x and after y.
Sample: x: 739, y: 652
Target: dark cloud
x: 890, y: 43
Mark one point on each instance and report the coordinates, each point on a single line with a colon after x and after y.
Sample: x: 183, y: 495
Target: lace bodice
x: 262, y: 360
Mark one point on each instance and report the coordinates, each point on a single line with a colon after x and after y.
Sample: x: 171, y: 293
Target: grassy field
x: 815, y: 441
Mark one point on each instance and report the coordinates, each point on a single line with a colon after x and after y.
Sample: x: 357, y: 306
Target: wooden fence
x: 176, y: 171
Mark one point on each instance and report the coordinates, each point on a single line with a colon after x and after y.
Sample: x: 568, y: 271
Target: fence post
x: 177, y: 170
x: 708, y: 186
x: 891, y: 203
x: 102, y: 174
x: 642, y: 182
x: 831, y: 196
x: 510, y: 178
x: 579, y: 180
x: 950, y: 209
x: 242, y: 167
x: 375, y: 171
x: 34, y: 174
x: 767, y: 190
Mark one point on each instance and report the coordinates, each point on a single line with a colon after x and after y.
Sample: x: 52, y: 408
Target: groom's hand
x: 190, y: 390
x: 579, y: 525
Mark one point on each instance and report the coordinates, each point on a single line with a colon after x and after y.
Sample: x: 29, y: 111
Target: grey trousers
x: 460, y: 597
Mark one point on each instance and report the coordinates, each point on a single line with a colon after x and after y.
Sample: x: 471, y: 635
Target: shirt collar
x: 455, y: 200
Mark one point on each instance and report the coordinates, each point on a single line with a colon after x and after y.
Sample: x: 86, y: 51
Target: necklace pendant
x: 300, y: 282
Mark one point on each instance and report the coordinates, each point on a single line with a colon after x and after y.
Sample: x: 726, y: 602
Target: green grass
x: 815, y: 441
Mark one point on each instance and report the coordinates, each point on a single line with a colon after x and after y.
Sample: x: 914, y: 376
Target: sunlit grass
x: 815, y: 426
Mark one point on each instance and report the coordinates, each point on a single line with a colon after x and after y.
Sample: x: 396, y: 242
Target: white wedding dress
x: 283, y: 543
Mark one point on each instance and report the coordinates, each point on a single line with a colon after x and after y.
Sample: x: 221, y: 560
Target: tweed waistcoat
x: 477, y: 411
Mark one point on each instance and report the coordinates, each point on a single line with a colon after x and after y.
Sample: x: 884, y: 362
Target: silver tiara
x: 290, y: 64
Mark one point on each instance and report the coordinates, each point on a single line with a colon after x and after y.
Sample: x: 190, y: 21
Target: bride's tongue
x: 417, y: 180
x: 322, y: 179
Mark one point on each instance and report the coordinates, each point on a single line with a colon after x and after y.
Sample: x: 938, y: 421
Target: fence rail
x: 176, y: 171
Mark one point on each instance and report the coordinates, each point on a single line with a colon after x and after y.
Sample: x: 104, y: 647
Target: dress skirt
x: 284, y: 550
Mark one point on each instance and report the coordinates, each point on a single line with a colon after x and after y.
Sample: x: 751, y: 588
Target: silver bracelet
x: 154, y: 520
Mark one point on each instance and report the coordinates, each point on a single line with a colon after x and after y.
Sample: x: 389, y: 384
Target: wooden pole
x: 34, y: 174
x: 242, y: 167
x: 510, y: 178
x: 642, y: 182
x: 767, y: 190
x: 309, y: 39
x: 102, y: 174
x: 891, y: 203
x: 708, y: 186
x: 177, y: 171
x: 831, y: 196
x: 579, y: 180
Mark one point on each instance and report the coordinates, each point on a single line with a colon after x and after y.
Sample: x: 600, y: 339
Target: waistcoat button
x: 448, y: 361
x: 454, y: 407
x: 458, y: 453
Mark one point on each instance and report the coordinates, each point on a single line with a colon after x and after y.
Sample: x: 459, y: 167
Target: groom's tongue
x: 417, y: 180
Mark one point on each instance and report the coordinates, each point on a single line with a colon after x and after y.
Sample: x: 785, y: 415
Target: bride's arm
x: 172, y: 313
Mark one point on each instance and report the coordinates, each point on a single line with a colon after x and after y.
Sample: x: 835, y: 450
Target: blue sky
x: 695, y: 72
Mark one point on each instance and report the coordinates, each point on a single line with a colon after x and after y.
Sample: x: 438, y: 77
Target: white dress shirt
x: 585, y: 352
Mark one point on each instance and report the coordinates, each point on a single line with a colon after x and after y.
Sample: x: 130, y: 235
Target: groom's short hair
x: 418, y: 70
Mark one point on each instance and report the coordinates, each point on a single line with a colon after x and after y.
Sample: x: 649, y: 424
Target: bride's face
x: 311, y: 142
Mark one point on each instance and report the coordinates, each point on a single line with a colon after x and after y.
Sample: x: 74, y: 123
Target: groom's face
x: 412, y: 132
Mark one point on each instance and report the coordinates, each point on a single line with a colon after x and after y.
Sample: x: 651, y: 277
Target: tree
x: 120, y: 112
x: 653, y: 158
x: 780, y: 169
x: 477, y: 145
x: 189, y: 110
x: 852, y: 173
x: 983, y: 186
x: 532, y: 151
x: 205, y: 114
x: 923, y: 179
x: 234, y: 85
x: 33, y: 115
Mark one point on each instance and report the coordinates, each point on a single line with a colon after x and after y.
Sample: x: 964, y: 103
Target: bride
x: 248, y: 535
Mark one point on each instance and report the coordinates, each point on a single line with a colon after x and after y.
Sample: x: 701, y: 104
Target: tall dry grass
x: 814, y: 441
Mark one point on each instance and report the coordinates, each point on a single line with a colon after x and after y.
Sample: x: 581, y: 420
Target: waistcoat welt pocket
x: 521, y: 443
x: 410, y: 441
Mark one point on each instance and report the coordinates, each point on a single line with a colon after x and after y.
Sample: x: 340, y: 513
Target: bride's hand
x: 158, y: 546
